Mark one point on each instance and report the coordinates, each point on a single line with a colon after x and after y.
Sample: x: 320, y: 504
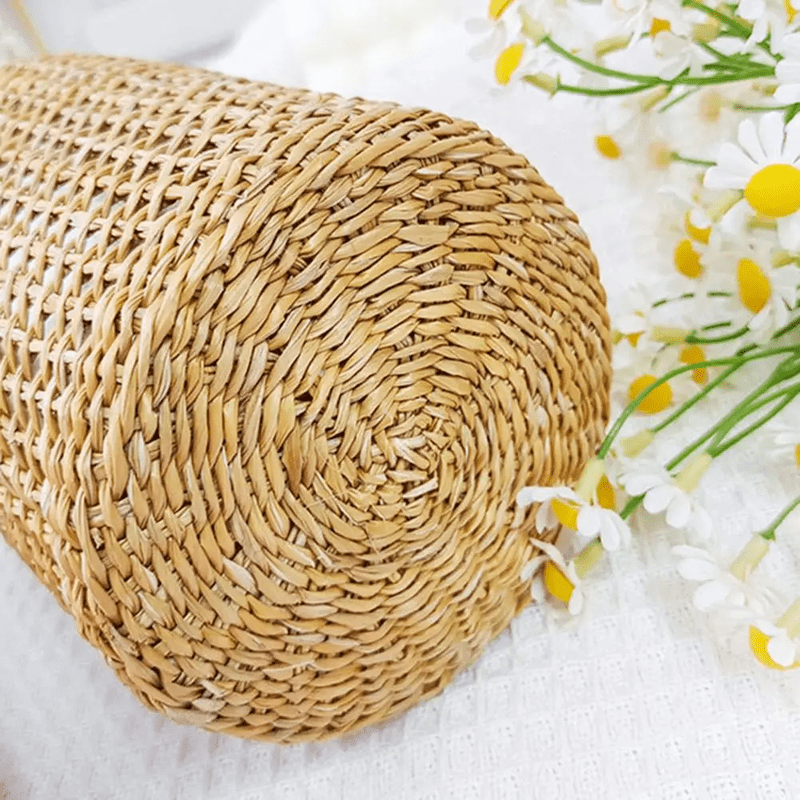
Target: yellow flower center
x: 791, y: 13
x: 566, y: 513
x: 557, y: 583
x: 606, y: 496
x: 758, y: 644
x: 687, y: 260
x: 754, y: 288
x: 607, y: 147
x: 701, y: 235
x: 774, y: 191
x: 657, y: 400
x: 507, y: 62
x: 498, y: 7
x: 694, y: 354
x: 659, y: 25
x: 797, y: 455
x: 633, y: 338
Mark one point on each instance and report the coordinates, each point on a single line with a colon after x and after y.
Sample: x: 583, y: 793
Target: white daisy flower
x: 552, y: 573
x: 768, y: 18
x: 561, y: 504
x: 638, y: 17
x: 493, y: 28
x: 555, y: 502
x: 777, y: 644
x: 763, y: 287
x: 663, y: 494
x: 765, y: 168
x: 613, y: 531
x: 783, y: 287
x: 787, y: 71
x: 775, y: 647
x: 677, y: 54
x: 726, y: 588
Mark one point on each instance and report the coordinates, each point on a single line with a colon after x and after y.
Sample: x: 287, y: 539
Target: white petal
x: 782, y: 650
x: 679, y: 511
x: 750, y: 142
x: 610, y: 534
x: 575, y: 605
x: 697, y: 569
x: 789, y: 232
x: 687, y: 551
x: 589, y: 524
x: 711, y: 594
x: 636, y: 483
x: 657, y: 499
x: 533, y: 494
x: 771, y: 132
x: 702, y: 524
x: 733, y: 169
x: 529, y: 570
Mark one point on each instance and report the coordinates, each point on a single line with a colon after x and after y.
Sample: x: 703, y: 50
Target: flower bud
x: 532, y: 29
x: 589, y: 480
x: 791, y: 619
x: 543, y: 81
x: 588, y: 558
x: 611, y: 45
x: 750, y: 557
x: 688, y: 478
x: 635, y: 445
x: 669, y: 335
x: 705, y: 32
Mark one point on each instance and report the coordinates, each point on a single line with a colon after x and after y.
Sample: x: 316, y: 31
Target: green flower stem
x: 769, y: 533
x: 698, y: 162
x: 731, y: 22
x: 693, y: 338
x: 675, y: 100
x: 590, y: 66
x: 719, y: 446
x: 738, y: 360
x: 788, y: 328
x: 695, y: 399
x: 588, y: 92
x: 635, y: 502
x: 691, y: 295
x: 757, y: 109
x: 712, y: 80
x: 733, y: 25
x: 738, y: 413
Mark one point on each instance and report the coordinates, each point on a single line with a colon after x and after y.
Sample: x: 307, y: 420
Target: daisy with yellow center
x: 551, y: 574
x: 589, y: 509
x: 765, y: 168
x: 494, y: 28
x: 777, y: 645
x: 769, y: 293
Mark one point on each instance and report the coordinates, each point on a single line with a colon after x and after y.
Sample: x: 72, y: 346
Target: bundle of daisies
x: 726, y: 322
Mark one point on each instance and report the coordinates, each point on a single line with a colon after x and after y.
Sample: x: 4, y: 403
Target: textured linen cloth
x: 636, y: 700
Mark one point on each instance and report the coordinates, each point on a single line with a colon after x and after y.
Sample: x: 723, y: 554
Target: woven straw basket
x: 274, y: 367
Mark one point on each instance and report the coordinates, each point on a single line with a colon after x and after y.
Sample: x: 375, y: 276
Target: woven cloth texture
x: 276, y: 365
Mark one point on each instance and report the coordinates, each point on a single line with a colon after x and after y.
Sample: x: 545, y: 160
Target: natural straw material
x: 274, y: 367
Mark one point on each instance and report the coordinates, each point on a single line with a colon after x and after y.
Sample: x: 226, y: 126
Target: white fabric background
x: 636, y: 701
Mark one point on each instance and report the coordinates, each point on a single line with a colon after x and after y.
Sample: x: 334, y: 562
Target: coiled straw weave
x: 274, y: 366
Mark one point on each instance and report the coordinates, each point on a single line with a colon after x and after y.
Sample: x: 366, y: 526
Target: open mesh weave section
x: 274, y: 366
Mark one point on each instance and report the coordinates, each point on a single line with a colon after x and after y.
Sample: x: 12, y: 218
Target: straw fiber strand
x: 273, y: 367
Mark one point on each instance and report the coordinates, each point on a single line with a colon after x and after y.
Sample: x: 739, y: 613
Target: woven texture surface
x: 637, y: 702
x: 275, y: 367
